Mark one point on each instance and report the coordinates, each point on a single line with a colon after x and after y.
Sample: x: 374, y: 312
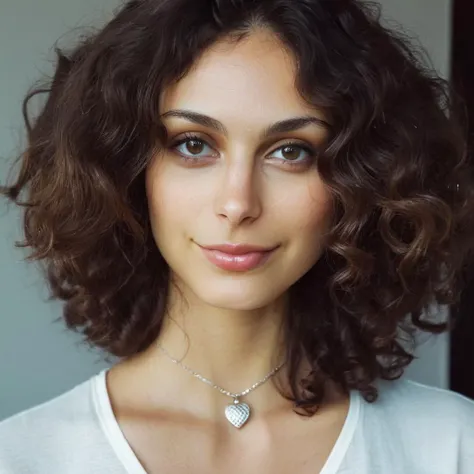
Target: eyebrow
x: 282, y: 126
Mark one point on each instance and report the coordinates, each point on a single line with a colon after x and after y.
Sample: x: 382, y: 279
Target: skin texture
x: 241, y: 188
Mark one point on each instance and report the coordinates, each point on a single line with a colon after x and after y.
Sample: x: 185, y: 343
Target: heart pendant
x: 237, y: 413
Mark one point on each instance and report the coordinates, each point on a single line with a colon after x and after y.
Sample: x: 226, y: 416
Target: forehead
x: 253, y: 75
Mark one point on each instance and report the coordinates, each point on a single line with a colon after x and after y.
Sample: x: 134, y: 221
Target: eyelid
x: 295, y: 142
x: 182, y: 137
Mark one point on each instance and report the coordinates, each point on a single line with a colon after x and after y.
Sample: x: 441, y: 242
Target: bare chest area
x: 287, y: 444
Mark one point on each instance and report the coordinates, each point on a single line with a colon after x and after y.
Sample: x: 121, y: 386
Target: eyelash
x: 189, y: 137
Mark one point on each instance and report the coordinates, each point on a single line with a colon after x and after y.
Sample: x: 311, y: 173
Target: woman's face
x: 228, y: 176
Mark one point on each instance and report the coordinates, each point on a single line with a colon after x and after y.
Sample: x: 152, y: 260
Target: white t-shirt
x: 411, y: 429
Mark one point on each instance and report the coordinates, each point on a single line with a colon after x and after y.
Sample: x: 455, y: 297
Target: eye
x: 294, y: 153
x: 191, y: 147
x: 194, y: 149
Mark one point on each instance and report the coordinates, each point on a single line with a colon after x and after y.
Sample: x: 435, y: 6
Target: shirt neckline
x: 124, y: 452
x: 111, y: 427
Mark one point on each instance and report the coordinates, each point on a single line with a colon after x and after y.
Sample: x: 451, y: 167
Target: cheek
x: 159, y: 197
x: 309, y: 227
x: 315, y: 218
x: 170, y: 201
x: 305, y: 210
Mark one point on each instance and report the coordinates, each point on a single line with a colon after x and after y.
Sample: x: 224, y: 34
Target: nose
x: 238, y: 199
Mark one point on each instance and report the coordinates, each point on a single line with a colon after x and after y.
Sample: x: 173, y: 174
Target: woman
x: 251, y: 204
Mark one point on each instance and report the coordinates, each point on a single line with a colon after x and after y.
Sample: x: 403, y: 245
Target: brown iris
x: 194, y: 146
x: 291, y: 152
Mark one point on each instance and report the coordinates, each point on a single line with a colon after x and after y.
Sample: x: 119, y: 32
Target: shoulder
x: 40, y: 435
x: 421, y: 415
x: 65, y: 407
x: 412, y: 427
x: 423, y: 401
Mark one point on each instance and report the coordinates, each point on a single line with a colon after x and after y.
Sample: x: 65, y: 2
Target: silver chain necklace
x: 237, y: 413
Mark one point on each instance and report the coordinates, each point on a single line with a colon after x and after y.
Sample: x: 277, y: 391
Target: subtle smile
x: 237, y: 257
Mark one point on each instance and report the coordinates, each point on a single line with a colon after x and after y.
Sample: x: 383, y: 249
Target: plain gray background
x: 39, y: 359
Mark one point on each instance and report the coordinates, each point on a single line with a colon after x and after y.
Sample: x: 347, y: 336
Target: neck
x: 232, y: 348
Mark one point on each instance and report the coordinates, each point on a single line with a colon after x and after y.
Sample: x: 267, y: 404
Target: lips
x: 237, y: 257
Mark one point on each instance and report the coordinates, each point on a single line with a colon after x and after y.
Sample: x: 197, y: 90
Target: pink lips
x: 237, y: 257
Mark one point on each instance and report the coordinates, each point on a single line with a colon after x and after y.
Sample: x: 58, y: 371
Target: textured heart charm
x: 237, y: 414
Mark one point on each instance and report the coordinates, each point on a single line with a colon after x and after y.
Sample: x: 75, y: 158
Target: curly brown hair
x: 396, y: 166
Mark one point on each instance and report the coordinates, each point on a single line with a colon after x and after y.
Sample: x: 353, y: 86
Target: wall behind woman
x: 430, y: 22
x: 38, y: 358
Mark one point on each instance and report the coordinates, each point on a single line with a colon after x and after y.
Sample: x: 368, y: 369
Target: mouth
x: 237, y: 257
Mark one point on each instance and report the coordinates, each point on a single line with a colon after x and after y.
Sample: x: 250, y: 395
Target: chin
x: 237, y: 295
